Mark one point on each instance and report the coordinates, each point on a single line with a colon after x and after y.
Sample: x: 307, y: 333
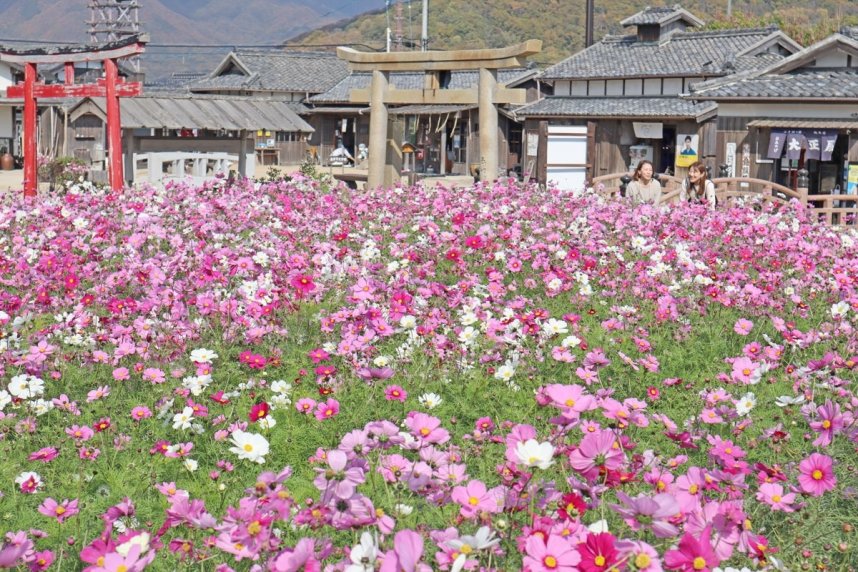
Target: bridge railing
x: 179, y: 165
x: 830, y: 208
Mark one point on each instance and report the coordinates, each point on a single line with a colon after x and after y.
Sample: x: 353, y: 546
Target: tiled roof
x: 277, y: 70
x: 175, y: 82
x: 806, y: 84
x: 660, y: 15
x: 851, y: 31
x: 684, y: 54
x: 407, y: 80
x: 672, y: 107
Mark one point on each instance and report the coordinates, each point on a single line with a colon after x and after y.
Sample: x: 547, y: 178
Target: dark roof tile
x: 615, y: 107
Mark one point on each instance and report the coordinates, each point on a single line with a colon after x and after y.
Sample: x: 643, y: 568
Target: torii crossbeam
x: 112, y: 87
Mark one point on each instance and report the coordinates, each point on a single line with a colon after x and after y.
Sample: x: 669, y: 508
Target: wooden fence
x: 829, y: 208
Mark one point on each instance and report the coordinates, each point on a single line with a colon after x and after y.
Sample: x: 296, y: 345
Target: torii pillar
x: 111, y: 87
x: 487, y: 94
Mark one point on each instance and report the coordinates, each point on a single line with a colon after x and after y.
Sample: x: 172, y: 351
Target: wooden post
x: 130, y: 164
x: 488, y: 125
x: 114, y: 126
x: 242, y: 153
x: 31, y: 171
x: 377, y: 130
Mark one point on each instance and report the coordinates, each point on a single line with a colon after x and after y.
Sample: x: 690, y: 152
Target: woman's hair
x: 636, y: 176
x: 700, y: 167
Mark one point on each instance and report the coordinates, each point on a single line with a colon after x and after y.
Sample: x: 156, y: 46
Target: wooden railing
x: 198, y: 167
x: 831, y: 209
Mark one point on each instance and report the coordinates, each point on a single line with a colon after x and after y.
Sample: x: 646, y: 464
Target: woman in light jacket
x: 644, y: 188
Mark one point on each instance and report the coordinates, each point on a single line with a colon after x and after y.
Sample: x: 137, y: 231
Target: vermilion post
x: 114, y: 127
x: 31, y: 175
x: 69, y: 75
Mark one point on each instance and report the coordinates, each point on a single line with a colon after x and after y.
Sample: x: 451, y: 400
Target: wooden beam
x: 440, y: 96
x: 464, y: 59
x: 443, y: 65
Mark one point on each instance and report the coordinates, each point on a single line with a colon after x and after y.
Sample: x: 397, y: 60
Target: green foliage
x: 463, y: 24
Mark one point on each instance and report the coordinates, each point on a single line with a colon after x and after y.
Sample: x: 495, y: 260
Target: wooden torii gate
x: 111, y: 87
x: 434, y: 64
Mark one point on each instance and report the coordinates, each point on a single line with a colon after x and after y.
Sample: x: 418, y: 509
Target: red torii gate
x: 111, y: 87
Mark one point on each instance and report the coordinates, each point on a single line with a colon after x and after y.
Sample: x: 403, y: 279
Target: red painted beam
x: 123, y: 89
x: 61, y: 57
x: 69, y: 75
x: 114, y: 129
x: 31, y: 176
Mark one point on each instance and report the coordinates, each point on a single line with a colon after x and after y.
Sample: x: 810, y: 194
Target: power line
x: 201, y: 46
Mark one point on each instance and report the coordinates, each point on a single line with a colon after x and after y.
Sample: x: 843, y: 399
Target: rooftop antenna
x: 112, y: 21
x: 424, y: 38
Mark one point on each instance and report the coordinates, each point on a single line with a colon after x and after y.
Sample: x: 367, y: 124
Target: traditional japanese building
x: 618, y: 101
x: 798, y: 113
x: 443, y: 137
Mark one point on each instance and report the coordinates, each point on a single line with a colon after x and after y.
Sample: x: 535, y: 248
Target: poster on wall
x: 852, y: 180
x: 686, y: 150
x: 638, y: 153
x: 730, y: 159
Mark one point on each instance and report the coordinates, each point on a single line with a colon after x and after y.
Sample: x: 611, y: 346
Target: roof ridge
x: 727, y: 32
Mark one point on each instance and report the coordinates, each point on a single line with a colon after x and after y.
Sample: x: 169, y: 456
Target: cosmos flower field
x: 296, y: 376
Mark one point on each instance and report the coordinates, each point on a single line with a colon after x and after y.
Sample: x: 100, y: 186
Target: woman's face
x: 646, y: 172
x: 694, y: 174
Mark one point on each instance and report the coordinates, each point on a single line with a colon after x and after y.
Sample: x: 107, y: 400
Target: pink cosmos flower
x: 60, y: 511
x: 427, y: 429
x: 829, y: 422
x: 80, y: 434
x: 154, y: 375
x: 305, y: 405
x: 45, y: 455
x: 474, y: 498
x: 140, y: 412
x: 327, y: 409
x: 556, y: 554
x: 773, y: 495
x: 597, y: 451
x: 405, y: 555
x: 743, y: 370
x: 572, y: 400
x: 598, y: 552
x: 816, y: 474
x: 98, y: 393
x: 743, y: 327
x: 395, y: 393
x: 649, y: 512
x: 121, y: 374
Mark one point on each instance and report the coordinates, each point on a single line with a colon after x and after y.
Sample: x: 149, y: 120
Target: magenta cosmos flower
x: 693, y: 555
x: 816, y: 474
x: 649, y: 512
x: 554, y: 555
x: 60, y: 511
x: 830, y: 421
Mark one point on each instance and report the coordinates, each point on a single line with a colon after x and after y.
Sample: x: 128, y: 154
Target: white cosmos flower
x: 554, y: 327
x: 505, y: 372
x: 183, y: 420
x: 141, y: 540
x: 403, y: 509
x: 430, y: 400
x: 281, y: 386
x: 190, y: 464
x: 785, y: 400
x: 363, y: 555
x: 532, y: 453
x: 267, y: 422
x: 598, y: 526
x: 250, y: 446
x: 26, y: 386
x: 746, y: 403
x: 408, y: 322
x: 570, y: 341
x: 839, y: 309
x: 468, y: 335
x: 5, y: 399
x: 202, y: 355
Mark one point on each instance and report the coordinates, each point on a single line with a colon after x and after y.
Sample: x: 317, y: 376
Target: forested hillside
x: 455, y: 24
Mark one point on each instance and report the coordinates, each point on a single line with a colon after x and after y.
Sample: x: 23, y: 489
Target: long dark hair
x: 700, y: 188
x: 637, y: 174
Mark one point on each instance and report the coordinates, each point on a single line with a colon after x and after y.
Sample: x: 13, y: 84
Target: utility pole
x: 424, y: 43
x: 589, y: 24
x: 112, y: 21
x: 729, y: 8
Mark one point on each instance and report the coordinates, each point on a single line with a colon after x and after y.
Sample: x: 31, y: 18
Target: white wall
x: 652, y: 86
x: 5, y: 110
x: 634, y: 87
x: 578, y: 88
x: 672, y: 86
x: 831, y: 59
x: 561, y: 88
x: 614, y: 87
x: 597, y: 87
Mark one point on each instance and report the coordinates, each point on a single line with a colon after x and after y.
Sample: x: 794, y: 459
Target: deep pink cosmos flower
x: 692, y: 554
x: 395, y: 393
x: 816, y: 474
x: 598, y: 552
x: 45, y: 455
